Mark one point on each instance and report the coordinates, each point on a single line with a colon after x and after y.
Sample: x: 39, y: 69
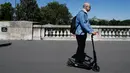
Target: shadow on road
x: 5, y: 44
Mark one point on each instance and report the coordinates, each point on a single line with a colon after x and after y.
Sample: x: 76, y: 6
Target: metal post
x: 14, y: 15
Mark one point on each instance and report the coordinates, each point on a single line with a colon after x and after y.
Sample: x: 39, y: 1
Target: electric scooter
x: 90, y: 63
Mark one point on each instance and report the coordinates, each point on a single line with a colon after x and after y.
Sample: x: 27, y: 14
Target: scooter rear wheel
x: 96, y: 68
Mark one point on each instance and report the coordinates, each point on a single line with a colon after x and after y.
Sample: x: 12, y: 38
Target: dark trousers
x: 80, y: 54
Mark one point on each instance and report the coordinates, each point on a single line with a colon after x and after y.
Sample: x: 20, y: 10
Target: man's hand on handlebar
x: 94, y: 33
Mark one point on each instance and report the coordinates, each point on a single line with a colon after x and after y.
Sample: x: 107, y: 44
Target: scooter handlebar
x: 94, y: 34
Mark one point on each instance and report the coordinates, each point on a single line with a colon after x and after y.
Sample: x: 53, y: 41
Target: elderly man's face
x: 88, y: 8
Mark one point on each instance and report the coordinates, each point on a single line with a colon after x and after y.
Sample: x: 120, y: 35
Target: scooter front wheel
x: 96, y: 68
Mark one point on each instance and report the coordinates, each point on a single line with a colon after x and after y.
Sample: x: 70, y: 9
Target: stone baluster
x: 68, y: 32
x: 113, y: 34
x: 110, y: 33
x: 61, y: 33
x: 102, y: 33
x: 47, y: 33
x: 53, y: 33
x: 129, y: 33
x: 57, y: 33
x: 121, y: 34
x: 105, y: 32
x: 65, y: 33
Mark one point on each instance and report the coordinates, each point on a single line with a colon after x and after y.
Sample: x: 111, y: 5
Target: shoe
x: 73, y: 62
x: 88, y: 58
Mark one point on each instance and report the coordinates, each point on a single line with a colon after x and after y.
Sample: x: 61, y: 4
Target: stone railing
x: 60, y: 32
x: 115, y: 31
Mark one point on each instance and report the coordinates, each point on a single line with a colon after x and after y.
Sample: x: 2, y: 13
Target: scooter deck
x: 71, y: 62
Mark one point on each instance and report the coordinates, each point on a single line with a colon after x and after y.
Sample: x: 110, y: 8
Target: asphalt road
x: 51, y: 57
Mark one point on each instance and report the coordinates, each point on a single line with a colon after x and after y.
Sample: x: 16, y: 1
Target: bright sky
x: 103, y: 9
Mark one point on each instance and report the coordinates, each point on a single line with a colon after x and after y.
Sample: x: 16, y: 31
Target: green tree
x: 19, y: 12
x: 114, y: 22
x: 125, y: 22
x: 94, y: 21
x: 28, y: 10
x: 103, y: 22
x: 6, y: 12
x: 55, y: 13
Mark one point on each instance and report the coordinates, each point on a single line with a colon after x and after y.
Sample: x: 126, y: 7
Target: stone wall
x: 4, y: 35
x: 25, y: 30
x: 16, y: 30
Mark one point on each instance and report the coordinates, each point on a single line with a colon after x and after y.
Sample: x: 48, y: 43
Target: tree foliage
x: 6, y: 12
x: 55, y: 13
x: 113, y: 22
x: 28, y: 10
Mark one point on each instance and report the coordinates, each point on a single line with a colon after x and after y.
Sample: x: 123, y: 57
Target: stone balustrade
x: 59, y: 32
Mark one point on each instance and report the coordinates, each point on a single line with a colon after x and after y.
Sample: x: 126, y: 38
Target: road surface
x: 51, y: 57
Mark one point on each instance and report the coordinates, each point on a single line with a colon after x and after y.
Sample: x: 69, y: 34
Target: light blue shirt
x: 82, y: 23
